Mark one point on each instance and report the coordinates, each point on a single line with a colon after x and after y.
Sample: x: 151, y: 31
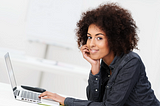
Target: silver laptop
x: 20, y: 93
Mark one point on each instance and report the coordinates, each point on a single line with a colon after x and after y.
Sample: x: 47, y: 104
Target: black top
x: 127, y: 86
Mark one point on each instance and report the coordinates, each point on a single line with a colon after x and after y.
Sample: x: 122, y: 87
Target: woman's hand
x: 94, y: 63
x: 53, y: 96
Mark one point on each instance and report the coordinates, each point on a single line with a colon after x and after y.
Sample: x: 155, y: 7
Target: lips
x: 92, y: 51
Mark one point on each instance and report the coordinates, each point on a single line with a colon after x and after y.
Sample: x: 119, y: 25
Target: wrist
x: 94, y: 72
x: 62, y: 100
x: 95, y: 68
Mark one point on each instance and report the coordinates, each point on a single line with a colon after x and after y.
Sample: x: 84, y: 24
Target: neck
x: 109, y: 58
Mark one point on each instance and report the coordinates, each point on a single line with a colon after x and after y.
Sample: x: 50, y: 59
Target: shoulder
x: 131, y: 63
x: 131, y: 58
x: 132, y: 55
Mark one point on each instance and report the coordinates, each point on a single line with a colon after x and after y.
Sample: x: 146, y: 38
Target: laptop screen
x: 10, y: 71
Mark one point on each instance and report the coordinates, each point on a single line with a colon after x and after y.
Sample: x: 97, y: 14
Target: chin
x: 95, y: 57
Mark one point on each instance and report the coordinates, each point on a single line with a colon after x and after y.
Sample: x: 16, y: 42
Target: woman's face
x: 97, y: 42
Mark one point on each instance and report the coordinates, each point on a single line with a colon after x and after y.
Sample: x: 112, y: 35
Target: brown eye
x: 89, y: 37
x: 99, y: 38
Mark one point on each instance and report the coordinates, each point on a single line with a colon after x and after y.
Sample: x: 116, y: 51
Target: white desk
x: 7, y: 98
x: 68, y: 74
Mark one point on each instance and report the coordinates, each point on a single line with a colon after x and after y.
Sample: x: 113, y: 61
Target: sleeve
x: 120, y: 90
x: 93, y: 89
x: 96, y: 84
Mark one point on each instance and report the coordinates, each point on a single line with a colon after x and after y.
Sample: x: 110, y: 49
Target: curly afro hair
x: 115, y: 21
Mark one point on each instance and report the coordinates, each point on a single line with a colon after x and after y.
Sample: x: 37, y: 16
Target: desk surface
x: 80, y: 74
x: 7, y: 98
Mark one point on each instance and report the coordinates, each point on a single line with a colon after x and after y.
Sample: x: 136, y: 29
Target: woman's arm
x: 120, y: 91
x: 94, y: 83
x: 95, y: 64
x: 95, y: 67
x: 93, y: 89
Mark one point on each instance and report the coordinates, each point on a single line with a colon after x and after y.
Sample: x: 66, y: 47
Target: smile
x: 92, y: 51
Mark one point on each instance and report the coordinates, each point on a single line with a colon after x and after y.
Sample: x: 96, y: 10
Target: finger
x: 88, y: 58
x: 53, y: 97
x: 45, y: 97
x: 85, y: 51
x: 43, y: 94
x: 84, y: 47
x: 48, y: 97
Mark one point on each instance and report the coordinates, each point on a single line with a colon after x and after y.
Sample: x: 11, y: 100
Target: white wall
x: 13, y: 19
x: 147, y: 17
x: 13, y: 37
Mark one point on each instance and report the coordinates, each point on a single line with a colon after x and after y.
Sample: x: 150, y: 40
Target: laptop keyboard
x: 28, y: 96
x: 17, y: 92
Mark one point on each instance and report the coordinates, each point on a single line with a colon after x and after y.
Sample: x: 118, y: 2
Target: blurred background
x: 40, y: 37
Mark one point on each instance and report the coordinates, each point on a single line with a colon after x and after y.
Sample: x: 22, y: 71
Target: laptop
x: 20, y: 93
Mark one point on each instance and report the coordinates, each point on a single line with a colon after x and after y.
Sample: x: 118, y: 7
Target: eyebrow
x: 96, y: 34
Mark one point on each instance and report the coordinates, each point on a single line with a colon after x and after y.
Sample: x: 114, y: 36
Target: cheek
x: 87, y: 43
x: 105, y: 50
x: 104, y: 47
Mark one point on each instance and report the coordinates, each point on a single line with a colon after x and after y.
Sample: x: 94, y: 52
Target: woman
x: 106, y: 36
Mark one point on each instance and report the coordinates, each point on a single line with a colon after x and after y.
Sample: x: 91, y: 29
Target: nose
x: 92, y: 43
